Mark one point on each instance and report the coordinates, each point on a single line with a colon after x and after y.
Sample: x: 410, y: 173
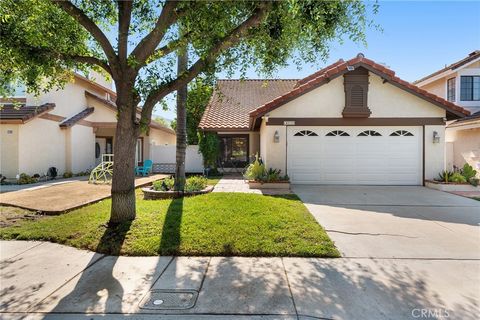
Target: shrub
x: 164, y: 185
x: 26, y: 179
x: 468, y: 172
x: 209, y: 147
x: 458, y: 178
x: 256, y: 170
x: 67, y: 174
x: 195, y: 183
x: 445, y: 176
x: 474, y: 181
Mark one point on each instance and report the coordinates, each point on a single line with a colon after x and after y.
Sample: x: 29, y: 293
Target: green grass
x: 213, y: 180
x: 215, y: 224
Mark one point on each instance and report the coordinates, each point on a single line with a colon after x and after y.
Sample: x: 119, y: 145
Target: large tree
x: 135, y: 43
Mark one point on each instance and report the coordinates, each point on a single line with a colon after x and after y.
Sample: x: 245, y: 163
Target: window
x: 369, y: 133
x: 400, y: 133
x: 451, y: 89
x: 336, y: 133
x: 305, y: 133
x: 470, y: 88
x: 233, y: 151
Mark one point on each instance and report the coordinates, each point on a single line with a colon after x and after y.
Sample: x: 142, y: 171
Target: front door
x: 139, y: 152
x: 103, y: 145
x: 234, y: 151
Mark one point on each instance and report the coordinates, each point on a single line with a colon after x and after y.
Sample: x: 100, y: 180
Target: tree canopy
x: 47, y: 39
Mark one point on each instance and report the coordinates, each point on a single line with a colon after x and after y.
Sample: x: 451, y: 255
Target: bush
x: 67, y: 174
x: 468, y: 172
x: 458, y: 178
x: 445, y: 176
x: 209, y: 147
x: 474, y: 181
x: 26, y: 179
x: 194, y: 183
x: 164, y: 185
x: 256, y: 170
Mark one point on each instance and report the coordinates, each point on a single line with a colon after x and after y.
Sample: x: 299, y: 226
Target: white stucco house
x: 68, y: 129
x: 353, y: 122
x: 459, y: 83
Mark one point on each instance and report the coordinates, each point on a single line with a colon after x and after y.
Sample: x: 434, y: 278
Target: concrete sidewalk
x: 56, y: 198
x: 41, y: 280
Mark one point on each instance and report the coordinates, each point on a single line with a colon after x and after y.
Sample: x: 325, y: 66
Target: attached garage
x: 352, y: 123
x: 355, y: 155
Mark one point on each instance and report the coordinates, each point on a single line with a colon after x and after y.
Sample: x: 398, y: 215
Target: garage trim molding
x: 355, y: 121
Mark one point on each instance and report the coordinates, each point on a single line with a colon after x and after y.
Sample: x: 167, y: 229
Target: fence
x: 163, y: 158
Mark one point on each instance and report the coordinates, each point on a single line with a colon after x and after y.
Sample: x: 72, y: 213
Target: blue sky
x: 418, y: 38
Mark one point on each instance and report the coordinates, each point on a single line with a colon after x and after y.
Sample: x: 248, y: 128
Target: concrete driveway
x: 396, y: 222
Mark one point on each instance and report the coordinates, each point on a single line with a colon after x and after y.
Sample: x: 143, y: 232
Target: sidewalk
x: 56, y: 198
x: 44, y: 280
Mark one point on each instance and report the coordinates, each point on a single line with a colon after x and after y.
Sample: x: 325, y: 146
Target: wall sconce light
x: 436, y: 137
x: 276, y: 137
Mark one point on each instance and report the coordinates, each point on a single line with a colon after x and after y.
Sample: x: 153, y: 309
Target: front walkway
x: 61, y: 197
x: 236, y: 183
x: 50, y: 281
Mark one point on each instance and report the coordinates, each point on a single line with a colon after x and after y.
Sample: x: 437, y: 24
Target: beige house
x: 460, y: 83
x: 68, y: 129
x: 353, y: 122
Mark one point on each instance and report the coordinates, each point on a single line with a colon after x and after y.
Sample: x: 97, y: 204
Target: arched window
x: 400, y: 133
x: 337, y: 133
x: 305, y: 133
x: 369, y: 133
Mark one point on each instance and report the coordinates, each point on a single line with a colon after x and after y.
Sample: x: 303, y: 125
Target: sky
x: 418, y: 38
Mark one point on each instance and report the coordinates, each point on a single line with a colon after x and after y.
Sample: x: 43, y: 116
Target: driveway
x: 396, y: 222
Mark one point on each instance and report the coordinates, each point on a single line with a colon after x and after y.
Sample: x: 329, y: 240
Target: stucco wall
x: 465, y: 147
x: 384, y: 100
x: 434, y: 152
x: 41, y: 145
x: 9, y: 150
x: 254, y: 143
x: 437, y: 87
x: 83, y: 148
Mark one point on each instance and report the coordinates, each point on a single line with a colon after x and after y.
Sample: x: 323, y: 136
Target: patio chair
x: 145, y: 169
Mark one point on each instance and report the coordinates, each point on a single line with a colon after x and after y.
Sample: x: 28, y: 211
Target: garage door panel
x: 367, y: 160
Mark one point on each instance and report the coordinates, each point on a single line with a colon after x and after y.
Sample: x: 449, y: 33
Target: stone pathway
x: 58, y: 198
x: 41, y: 280
x: 236, y: 183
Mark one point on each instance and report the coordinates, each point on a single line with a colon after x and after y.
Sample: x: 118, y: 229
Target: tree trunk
x: 123, y: 180
x: 181, y: 125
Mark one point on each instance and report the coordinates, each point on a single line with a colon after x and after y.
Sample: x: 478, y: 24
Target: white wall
x: 166, y: 154
x: 41, y: 145
x: 434, y: 152
x: 83, y: 148
x: 9, y: 150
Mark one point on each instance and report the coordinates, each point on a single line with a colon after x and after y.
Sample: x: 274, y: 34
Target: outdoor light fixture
x: 276, y: 137
x: 436, y: 137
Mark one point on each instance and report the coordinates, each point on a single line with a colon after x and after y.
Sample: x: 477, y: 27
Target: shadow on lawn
x: 170, y: 241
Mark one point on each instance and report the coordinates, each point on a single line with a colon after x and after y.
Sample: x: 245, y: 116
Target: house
x: 353, y: 122
x: 460, y: 83
x: 68, y: 129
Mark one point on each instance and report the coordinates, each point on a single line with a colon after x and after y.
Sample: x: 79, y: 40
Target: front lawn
x: 215, y: 224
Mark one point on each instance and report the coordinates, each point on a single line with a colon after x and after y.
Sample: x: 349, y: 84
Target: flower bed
x: 284, y: 185
x: 451, y: 186
x: 151, y: 194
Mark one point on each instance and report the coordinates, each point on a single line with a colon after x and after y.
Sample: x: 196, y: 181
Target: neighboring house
x: 68, y: 129
x: 353, y: 122
x: 460, y: 83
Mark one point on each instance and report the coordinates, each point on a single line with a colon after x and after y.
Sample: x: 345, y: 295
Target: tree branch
x: 124, y: 18
x: 90, y: 26
x: 90, y: 60
x: 167, y: 49
x: 230, y: 40
x: 148, y: 44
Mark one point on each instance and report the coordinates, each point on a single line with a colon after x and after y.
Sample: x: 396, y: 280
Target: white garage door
x: 355, y: 155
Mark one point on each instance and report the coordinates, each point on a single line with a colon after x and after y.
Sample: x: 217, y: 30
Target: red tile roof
x: 341, y: 67
x: 235, y: 104
x: 69, y: 122
x: 471, y: 56
x: 232, y: 100
x: 22, y: 113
